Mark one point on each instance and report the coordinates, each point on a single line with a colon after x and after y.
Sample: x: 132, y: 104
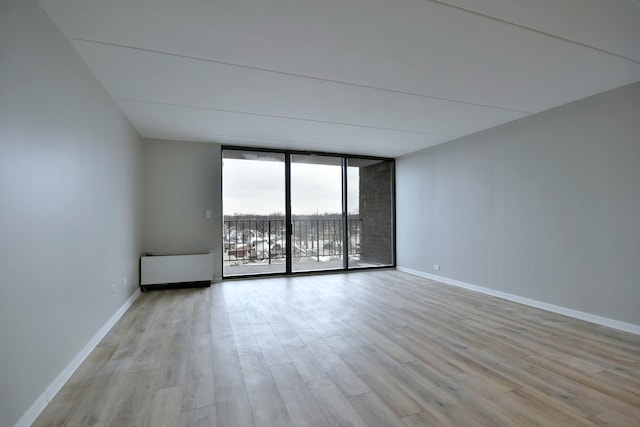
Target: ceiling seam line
x: 286, y: 117
x: 535, y: 30
x: 267, y: 70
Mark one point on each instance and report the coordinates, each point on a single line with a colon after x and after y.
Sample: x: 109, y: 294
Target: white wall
x: 182, y: 180
x: 546, y: 208
x: 70, y: 186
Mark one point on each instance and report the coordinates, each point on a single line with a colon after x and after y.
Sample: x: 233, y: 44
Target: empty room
x: 319, y: 213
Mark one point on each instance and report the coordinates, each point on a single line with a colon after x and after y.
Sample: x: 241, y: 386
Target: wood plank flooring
x: 369, y: 349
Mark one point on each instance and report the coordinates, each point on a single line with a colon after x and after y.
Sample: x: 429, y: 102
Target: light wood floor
x: 367, y: 349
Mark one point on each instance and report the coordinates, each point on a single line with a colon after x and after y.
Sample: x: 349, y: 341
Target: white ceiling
x: 378, y: 77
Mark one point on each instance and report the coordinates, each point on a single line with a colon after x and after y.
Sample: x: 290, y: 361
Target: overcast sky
x: 257, y: 187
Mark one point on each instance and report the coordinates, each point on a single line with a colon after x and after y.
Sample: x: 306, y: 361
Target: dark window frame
x: 288, y: 215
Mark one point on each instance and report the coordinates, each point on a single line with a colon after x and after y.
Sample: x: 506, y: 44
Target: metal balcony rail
x: 265, y: 239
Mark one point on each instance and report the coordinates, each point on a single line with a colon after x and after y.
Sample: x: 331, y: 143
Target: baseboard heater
x: 175, y: 269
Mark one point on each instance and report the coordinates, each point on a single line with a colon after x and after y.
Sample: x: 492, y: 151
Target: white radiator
x: 166, y: 268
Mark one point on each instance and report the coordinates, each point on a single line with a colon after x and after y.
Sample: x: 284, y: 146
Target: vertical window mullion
x: 345, y: 233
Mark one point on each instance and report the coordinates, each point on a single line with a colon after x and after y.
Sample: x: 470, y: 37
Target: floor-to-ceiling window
x: 316, y: 213
x: 291, y: 212
x: 254, y: 206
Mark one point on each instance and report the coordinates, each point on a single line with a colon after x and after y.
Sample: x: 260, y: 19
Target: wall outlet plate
x: 436, y: 267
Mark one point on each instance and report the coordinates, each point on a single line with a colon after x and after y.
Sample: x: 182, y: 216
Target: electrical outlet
x: 207, y: 213
x: 436, y: 267
x: 124, y: 282
x: 113, y: 289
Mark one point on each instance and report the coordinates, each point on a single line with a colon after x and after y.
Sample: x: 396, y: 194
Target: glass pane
x: 316, y: 209
x: 253, y: 200
x: 370, y: 212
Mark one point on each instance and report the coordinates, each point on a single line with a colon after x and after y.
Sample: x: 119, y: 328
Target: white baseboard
x: 599, y: 320
x: 43, y: 400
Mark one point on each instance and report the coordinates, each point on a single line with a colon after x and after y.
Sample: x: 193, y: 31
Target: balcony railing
x: 265, y: 239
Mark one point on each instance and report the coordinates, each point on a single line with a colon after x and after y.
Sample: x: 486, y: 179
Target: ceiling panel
x: 182, y: 123
x: 610, y: 25
x: 152, y: 77
x: 414, y: 46
x: 440, y: 69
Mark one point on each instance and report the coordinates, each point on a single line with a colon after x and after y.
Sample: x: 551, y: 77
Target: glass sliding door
x: 254, y: 206
x: 370, y: 210
x: 289, y: 212
x: 316, y: 213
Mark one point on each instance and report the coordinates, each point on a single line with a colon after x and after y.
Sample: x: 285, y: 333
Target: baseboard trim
x: 43, y: 400
x: 599, y: 320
